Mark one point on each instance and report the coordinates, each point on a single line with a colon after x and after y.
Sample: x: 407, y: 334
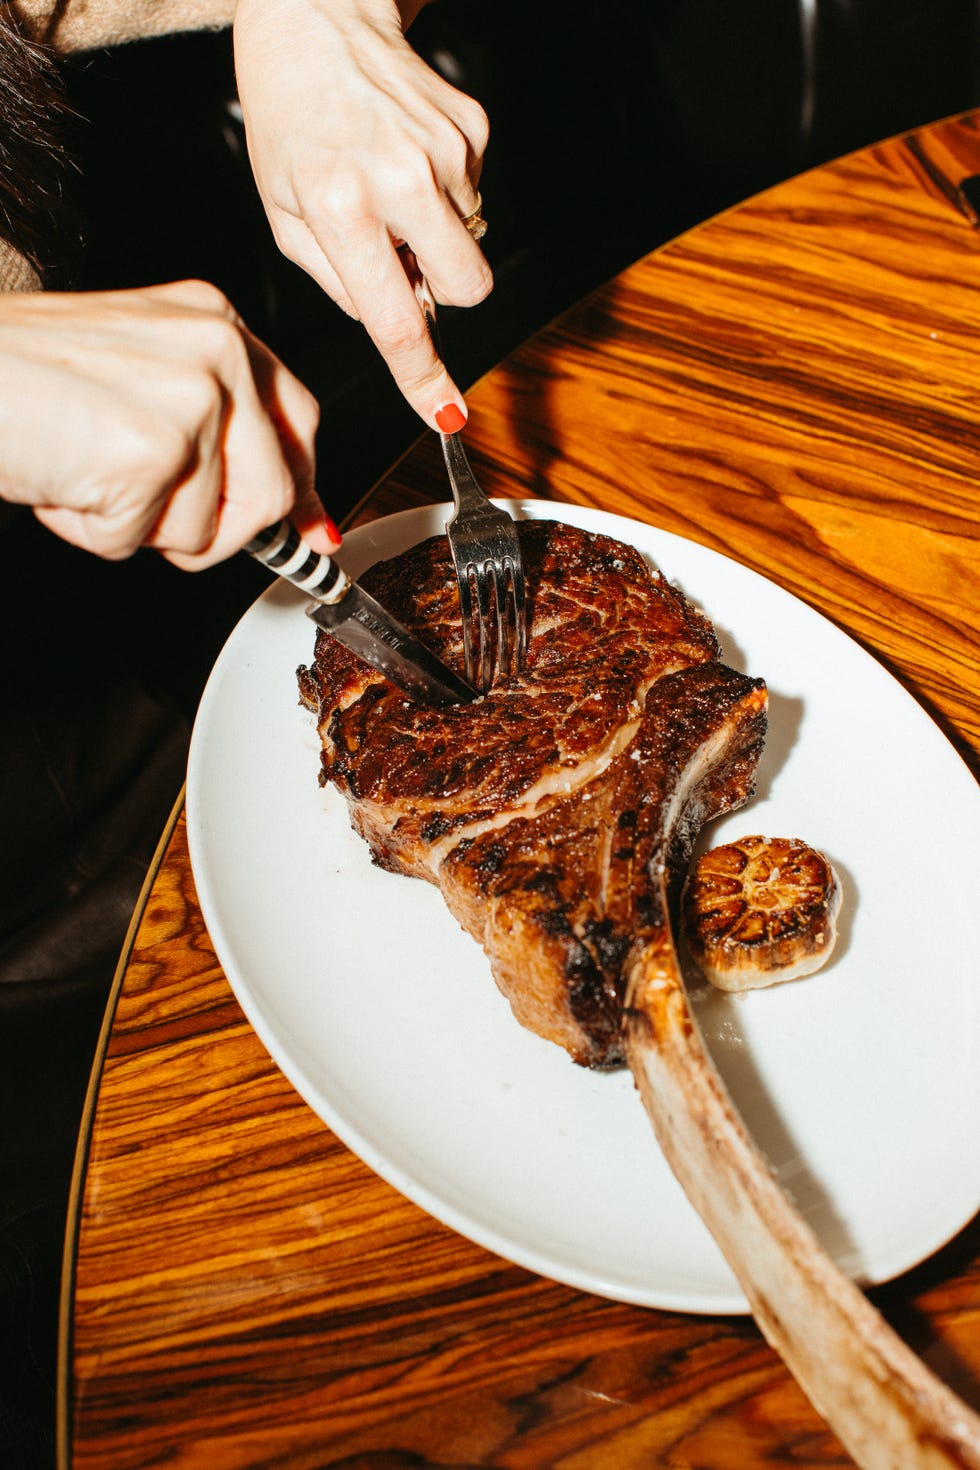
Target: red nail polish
x: 332, y: 531
x: 450, y: 418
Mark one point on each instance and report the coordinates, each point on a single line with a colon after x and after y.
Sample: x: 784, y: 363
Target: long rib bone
x: 887, y: 1409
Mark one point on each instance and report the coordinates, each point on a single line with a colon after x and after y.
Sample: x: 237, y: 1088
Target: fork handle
x: 283, y: 550
x: 423, y: 295
x: 469, y: 498
x: 466, y: 492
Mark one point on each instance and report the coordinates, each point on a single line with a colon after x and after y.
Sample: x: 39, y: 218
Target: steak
x: 557, y: 815
x: 547, y: 810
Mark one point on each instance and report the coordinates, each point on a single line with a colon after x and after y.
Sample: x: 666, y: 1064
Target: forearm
x: 83, y: 25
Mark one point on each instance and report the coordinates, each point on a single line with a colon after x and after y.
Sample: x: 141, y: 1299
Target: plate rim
x: 404, y: 523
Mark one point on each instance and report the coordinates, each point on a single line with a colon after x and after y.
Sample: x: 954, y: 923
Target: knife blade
x: 344, y: 610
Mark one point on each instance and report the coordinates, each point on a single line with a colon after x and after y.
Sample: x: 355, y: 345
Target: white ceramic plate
x: 861, y: 1083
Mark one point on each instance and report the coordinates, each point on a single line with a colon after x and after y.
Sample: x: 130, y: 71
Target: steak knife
x: 355, y: 619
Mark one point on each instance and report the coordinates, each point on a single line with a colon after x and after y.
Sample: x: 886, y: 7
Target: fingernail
x: 332, y: 531
x: 450, y: 418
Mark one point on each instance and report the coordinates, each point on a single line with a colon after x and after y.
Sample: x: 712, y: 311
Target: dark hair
x: 33, y: 213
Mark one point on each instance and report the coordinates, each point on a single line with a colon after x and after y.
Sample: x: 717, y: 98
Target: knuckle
x: 224, y: 358
x: 455, y: 148
x: 399, y: 336
x: 422, y: 382
x: 341, y: 205
x: 307, y: 413
x: 201, y: 296
x: 461, y: 139
x: 116, y: 521
x: 476, y: 125
x: 211, y: 298
x: 119, y: 538
x: 475, y: 285
x: 199, y: 538
x: 290, y: 236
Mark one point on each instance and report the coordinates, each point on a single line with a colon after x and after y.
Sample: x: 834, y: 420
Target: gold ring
x: 475, y: 222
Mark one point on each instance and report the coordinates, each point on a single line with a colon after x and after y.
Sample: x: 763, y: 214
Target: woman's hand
x: 358, y: 146
x: 152, y: 418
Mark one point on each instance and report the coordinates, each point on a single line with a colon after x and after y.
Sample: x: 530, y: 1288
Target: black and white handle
x: 283, y: 550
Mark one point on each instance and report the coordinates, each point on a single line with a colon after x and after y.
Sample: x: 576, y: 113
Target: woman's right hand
x: 357, y: 146
x: 152, y: 417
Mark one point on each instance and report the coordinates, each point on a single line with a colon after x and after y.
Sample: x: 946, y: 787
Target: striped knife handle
x: 283, y: 550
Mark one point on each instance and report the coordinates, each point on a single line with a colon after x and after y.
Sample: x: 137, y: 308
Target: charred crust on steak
x: 602, y: 629
x: 555, y: 814
x: 563, y: 887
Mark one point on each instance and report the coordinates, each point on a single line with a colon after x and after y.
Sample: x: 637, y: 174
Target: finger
x: 266, y: 450
x: 119, y: 500
x: 313, y: 523
x: 190, y: 518
x: 88, y: 532
x: 463, y: 196
x: 423, y: 204
x: 299, y: 244
x: 237, y: 518
x: 259, y: 493
x: 292, y: 408
x: 454, y: 264
x: 398, y: 329
x: 451, y: 130
x: 295, y: 415
x: 394, y: 320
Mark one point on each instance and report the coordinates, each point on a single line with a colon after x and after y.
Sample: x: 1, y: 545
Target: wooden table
x: 797, y: 383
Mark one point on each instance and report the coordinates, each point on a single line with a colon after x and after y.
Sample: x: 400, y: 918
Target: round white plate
x: 861, y: 1083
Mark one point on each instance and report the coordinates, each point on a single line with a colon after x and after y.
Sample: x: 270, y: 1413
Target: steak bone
x: 889, y: 1411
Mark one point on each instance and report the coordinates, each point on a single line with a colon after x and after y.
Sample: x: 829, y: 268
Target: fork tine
x: 507, y: 596
x: 466, y: 617
x: 482, y: 576
x: 485, y: 547
x: 476, y: 602
x: 518, y: 623
x: 506, y: 630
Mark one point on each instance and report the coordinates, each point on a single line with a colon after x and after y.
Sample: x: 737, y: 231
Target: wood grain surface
x: 797, y: 384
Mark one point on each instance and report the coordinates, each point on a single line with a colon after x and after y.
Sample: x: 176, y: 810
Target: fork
x: 485, y: 548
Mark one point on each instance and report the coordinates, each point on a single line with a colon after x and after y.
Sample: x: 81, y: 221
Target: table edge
x: 79, y: 1168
